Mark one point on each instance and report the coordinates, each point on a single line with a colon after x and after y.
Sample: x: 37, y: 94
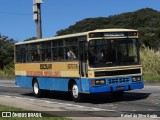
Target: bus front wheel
x: 75, y: 93
x: 36, y: 90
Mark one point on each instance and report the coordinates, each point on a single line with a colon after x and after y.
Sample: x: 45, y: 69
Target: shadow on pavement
x: 95, y: 98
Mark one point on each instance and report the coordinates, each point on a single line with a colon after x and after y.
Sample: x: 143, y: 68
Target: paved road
x: 136, y: 102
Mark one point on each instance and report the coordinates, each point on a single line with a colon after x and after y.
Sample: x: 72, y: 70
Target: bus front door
x: 82, y: 58
x: 83, y: 71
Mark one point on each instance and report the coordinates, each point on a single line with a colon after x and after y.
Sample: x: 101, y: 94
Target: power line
x: 12, y: 13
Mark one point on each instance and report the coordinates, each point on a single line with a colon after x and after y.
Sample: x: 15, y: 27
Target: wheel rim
x: 75, y: 91
x: 36, y: 89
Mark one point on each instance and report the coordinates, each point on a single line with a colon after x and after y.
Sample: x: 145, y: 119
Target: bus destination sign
x: 114, y: 34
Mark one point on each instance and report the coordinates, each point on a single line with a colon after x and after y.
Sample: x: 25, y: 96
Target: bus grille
x: 117, y: 72
x: 118, y: 80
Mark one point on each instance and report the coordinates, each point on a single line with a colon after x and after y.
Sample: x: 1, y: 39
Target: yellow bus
x: 99, y: 61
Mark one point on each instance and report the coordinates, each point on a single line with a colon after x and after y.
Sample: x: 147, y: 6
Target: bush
x: 151, y: 64
x: 7, y: 73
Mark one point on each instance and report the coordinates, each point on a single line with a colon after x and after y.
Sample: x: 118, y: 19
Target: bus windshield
x: 115, y: 52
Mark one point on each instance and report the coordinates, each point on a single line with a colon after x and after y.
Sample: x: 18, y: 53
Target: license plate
x: 120, y: 87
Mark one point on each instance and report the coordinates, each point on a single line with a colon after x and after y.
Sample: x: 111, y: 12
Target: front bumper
x: 118, y: 87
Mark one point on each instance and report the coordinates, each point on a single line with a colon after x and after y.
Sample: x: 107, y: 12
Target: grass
x: 150, y: 60
x: 12, y: 109
x: 7, y: 73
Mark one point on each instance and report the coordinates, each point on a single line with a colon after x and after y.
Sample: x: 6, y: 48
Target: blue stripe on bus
x: 60, y: 84
x: 136, y: 86
x: 25, y: 82
x: 84, y: 85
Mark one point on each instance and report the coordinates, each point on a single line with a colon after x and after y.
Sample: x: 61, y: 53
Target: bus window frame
x: 43, y: 46
x: 115, y: 43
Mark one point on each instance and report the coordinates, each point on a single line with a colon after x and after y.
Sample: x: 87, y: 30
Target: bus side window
x: 35, y: 56
x: 48, y: 51
x: 60, y: 53
x: 71, y: 48
x: 54, y: 52
x: 42, y: 55
x: 48, y: 55
x: 18, y: 54
x: 71, y: 54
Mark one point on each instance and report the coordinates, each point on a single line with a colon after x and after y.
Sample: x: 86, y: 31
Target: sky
x: 16, y: 16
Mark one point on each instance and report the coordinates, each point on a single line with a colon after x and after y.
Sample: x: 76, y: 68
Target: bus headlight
x: 100, y: 82
x: 136, y: 79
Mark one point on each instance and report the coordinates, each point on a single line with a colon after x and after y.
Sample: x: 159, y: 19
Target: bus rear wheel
x: 75, y: 93
x: 36, y: 90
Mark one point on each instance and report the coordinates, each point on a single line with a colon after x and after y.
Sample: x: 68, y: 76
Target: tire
x: 117, y: 95
x: 36, y: 90
x: 75, y: 93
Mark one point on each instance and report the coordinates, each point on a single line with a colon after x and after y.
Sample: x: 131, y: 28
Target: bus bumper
x: 115, y: 88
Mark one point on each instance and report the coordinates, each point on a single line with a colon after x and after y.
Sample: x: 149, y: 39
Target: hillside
x: 147, y: 21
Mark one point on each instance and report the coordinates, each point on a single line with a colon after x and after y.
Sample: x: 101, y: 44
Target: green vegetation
x: 6, y: 52
x: 5, y: 108
x: 10, y: 109
x: 7, y: 73
x: 6, y: 57
x: 146, y: 21
x: 151, y: 65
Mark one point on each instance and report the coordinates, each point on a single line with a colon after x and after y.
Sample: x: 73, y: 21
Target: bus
x: 98, y: 61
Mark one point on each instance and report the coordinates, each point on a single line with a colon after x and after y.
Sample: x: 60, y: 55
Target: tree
x: 32, y: 38
x: 6, y: 51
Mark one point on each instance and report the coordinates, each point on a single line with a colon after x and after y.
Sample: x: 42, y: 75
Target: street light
x: 37, y: 16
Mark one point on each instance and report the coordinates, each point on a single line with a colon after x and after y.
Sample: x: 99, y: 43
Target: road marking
x: 9, y: 86
x: 111, y: 105
x: 67, y: 104
x: 150, y: 109
x: 134, y: 110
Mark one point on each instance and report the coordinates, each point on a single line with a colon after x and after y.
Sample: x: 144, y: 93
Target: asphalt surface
x: 142, y: 103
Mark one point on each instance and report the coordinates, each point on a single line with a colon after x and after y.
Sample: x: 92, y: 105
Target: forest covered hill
x: 146, y: 21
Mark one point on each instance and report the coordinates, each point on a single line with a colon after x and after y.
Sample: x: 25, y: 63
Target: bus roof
x: 76, y: 34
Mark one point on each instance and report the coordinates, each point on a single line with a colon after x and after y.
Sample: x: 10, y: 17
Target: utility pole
x: 37, y: 16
